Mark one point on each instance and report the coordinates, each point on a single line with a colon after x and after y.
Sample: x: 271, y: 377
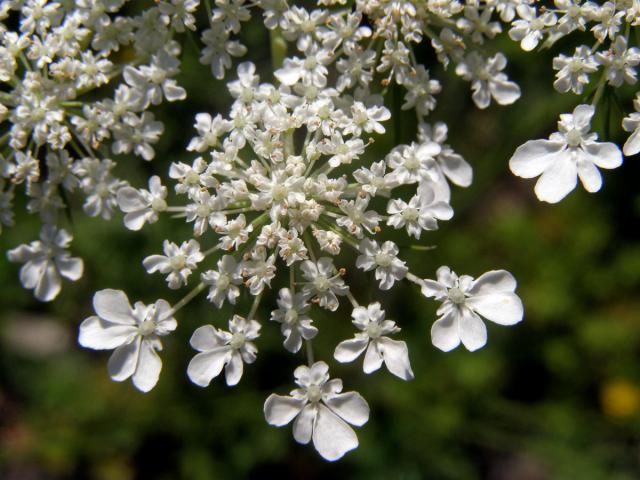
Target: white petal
x: 349, y: 350
x: 396, y: 357
x: 70, y: 268
x: 203, y: 367
x: 632, y: 145
x: 303, y: 425
x: 444, y: 332
x: 493, y: 281
x: 135, y: 220
x: 123, y: 361
x: 457, y: 169
x: 288, y: 75
x: 350, y: 406
x: 148, y: 368
x: 280, y: 410
x: 372, y: 359
x: 233, y: 369
x: 102, y: 335
x: 204, y: 338
x: 130, y: 200
x: 113, y: 305
x: 504, y: 92
x: 589, y: 176
x: 153, y: 263
x: 332, y: 437
x: 433, y: 289
x: 472, y: 330
x: 49, y: 284
x: 31, y: 272
x: 605, y: 155
x: 558, y: 180
x: 503, y: 308
x: 534, y: 157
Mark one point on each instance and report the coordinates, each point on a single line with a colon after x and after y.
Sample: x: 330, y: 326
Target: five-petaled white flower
x: 321, y: 412
x: 178, y: 262
x: 492, y: 295
x: 220, y: 349
x: 384, y: 259
x: 292, y: 314
x: 373, y: 338
x: 133, y: 333
x: 570, y: 153
x: 45, y: 260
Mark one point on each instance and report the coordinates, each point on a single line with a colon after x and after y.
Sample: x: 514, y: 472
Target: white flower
x: 573, y: 72
x: 373, y: 338
x: 177, y: 262
x: 569, y: 153
x: 631, y: 123
x: 45, y: 260
x: 321, y: 412
x: 293, y: 317
x: 323, y: 282
x: 464, y: 300
x: 224, y: 282
x: 209, y: 131
x: 487, y: 79
x: 384, y: 259
x: 142, y: 206
x: 529, y: 29
x: 133, y: 333
x: 220, y: 349
x: 421, y: 213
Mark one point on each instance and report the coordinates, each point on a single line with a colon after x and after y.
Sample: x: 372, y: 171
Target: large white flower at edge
x: 570, y: 153
x: 464, y: 300
x: 321, y: 412
x: 133, y: 333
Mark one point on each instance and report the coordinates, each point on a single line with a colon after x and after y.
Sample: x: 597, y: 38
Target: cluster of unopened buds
x: 283, y: 184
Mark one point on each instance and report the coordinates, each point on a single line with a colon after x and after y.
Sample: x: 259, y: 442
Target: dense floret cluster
x: 284, y: 182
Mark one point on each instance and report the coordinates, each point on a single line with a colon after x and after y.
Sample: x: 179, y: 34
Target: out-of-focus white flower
x: 45, y: 260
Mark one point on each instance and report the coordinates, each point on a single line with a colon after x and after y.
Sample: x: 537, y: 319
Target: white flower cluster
x: 609, y: 63
x: 285, y: 182
x: 67, y: 106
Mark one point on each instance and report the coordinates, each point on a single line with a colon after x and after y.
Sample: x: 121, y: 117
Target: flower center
x: 158, y: 204
x: 279, y: 192
x: 574, y: 137
x: 321, y: 283
x: 223, y: 282
x: 314, y: 393
x: 456, y: 296
x: 410, y: 214
x: 177, y: 262
x: 237, y: 340
x: 373, y: 330
x: 147, y: 327
x: 291, y: 317
x: 383, y: 259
